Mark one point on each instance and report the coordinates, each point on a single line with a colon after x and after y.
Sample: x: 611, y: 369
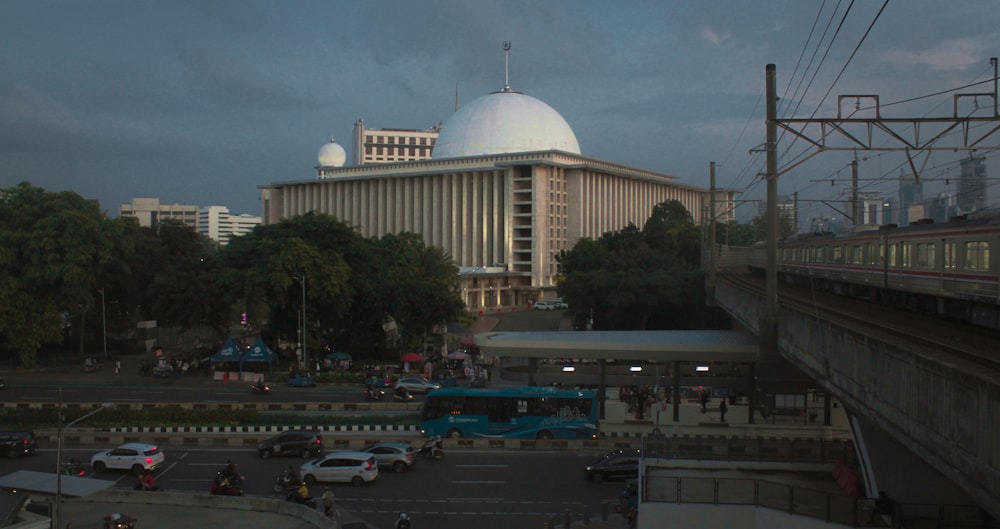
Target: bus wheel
x: 544, y: 434
x: 455, y: 433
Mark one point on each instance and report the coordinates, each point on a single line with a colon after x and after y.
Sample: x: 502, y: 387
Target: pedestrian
x: 327, y: 498
x: 118, y: 366
x: 722, y: 410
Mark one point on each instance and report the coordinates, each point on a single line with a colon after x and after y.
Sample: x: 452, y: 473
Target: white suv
x: 356, y: 468
x: 546, y: 305
x: 137, y: 457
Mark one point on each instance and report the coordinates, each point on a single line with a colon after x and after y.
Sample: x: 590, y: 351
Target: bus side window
x: 499, y: 410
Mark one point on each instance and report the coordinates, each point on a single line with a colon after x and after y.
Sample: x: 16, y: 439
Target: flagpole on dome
x: 506, y: 66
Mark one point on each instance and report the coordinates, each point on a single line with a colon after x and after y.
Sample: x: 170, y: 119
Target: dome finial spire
x: 506, y: 63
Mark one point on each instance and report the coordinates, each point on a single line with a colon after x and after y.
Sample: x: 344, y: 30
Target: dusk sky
x: 200, y: 102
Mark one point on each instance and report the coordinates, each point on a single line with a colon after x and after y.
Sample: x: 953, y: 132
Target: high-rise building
x: 505, y: 191
x: 972, y: 185
x: 149, y: 212
x: 216, y: 223
x: 911, y: 193
x: 391, y: 145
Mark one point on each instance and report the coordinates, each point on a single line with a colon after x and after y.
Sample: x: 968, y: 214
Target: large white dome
x: 332, y: 155
x: 504, y: 122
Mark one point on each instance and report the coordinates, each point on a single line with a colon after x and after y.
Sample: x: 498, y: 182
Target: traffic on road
x: 486, y: 489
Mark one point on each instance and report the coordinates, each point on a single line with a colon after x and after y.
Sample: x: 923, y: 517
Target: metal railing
x: 785, y: 450
x: 803, y: 501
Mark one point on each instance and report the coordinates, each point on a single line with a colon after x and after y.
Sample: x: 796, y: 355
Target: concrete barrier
x: 221, y: 503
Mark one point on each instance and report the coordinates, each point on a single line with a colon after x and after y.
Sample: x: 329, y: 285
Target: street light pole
x: 59, y: 440
x: 104, y: 325
x: 305, y: 355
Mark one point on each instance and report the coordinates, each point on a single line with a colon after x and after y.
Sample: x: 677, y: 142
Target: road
x: 486, y: 489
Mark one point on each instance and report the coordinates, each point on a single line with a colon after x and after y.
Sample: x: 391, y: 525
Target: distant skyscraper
x: 391, y: 145
x: 911, y: 193
x: 972, y: 185
x: 788, y: 206
x: 150, y: 212
x: 217, y: 224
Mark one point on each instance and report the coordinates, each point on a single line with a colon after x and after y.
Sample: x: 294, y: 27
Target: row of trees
x: 61, y: 257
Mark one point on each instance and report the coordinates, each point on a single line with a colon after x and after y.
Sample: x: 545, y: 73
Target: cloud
x: 712, y: 36
x: 953, y: 55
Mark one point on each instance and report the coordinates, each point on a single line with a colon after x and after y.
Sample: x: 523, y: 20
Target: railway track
x: 945, y: 341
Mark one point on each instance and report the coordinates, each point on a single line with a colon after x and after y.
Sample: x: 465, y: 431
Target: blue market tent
x: 230, y: 352
x: 260, y: 352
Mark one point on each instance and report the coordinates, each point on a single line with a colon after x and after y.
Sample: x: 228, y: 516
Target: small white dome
x: 332, y: 155
x: 504, y: 122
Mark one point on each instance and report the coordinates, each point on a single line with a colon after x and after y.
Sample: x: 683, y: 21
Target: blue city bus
x: 522, y: 413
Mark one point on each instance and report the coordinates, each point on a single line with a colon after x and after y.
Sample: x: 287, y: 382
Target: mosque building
x: 505, y: 190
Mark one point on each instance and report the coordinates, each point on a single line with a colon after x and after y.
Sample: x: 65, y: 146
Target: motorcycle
x: 374, y: 394
x: 400, y: 394
x: 286, y: 483
x: 432, y: 448
x: 227, y: 483
x: 72, y: 467
x: 260, y: 388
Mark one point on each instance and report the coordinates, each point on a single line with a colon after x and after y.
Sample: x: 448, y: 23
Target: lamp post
x: 305, y: 355
x: 104, y: 325
x: 59, y: 440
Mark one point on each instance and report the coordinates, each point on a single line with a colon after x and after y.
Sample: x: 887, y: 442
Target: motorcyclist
x: 401, y: 393
x: 147, y: 483
x: 301, y: 494
x: 403, y: 522
x: 328, y: 502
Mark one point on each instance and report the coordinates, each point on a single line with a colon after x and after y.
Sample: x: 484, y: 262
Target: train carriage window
x: 892, y: 255
x: 858, y: 255
x: 878, y: 255
x: 906, y: 259
x: 977, y: 255
x: 950, y: 255
x: 925, y: 255
x: 837, y: 255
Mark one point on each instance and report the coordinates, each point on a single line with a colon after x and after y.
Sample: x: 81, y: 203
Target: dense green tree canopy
x: 54, y: 248
x: 638, y: 279
x: 60, y: 257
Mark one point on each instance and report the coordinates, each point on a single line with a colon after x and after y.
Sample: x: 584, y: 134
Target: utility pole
x: 710, y: 286
x: 855, y: 211
x: 769, y: 323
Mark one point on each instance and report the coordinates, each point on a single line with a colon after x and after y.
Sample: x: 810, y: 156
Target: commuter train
x: 942, y: 269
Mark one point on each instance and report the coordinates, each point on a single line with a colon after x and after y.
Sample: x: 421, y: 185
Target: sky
x: 201, y: 102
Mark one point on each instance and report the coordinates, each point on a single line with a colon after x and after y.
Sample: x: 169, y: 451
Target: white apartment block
x: 390, y: 145
x: 149, y: 212
x: 217, y: 224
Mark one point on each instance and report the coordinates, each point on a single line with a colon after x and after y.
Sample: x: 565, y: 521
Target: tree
x: 54, y: 248
x: 638, y: 279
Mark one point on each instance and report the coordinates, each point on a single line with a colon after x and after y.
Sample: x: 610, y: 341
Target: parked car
x: 356, y: 468
x: 137, y: 457
x: 397, y: 456
x: 560, y: 304
x: 14, y: 444
x: 303, y: 443
x: 546, y: 305
x: 417, y: 385
x: 619, y: 464
x: 301, y: 380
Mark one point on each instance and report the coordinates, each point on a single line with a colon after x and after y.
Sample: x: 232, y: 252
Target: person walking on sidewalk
x: 722, y: 410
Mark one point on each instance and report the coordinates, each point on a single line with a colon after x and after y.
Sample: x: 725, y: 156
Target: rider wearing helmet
x: 403, y: 522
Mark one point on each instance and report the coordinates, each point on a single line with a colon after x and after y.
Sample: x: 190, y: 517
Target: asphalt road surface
x: 482, y: 489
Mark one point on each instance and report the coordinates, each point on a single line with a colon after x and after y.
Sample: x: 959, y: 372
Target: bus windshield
x: 524, y: 413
